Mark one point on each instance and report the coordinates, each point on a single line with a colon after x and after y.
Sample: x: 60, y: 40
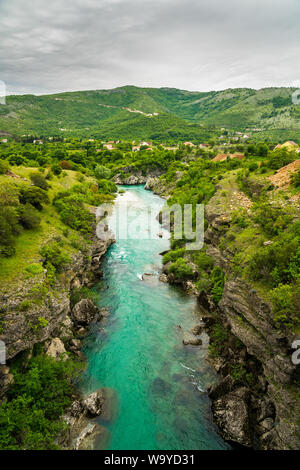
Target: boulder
x: 94, y: 403
x: 84, y: 312
x: 163, y: 278
x: 231, y: 415
x: 57, y: 350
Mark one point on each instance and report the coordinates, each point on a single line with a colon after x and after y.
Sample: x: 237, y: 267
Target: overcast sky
x: 48, y: 46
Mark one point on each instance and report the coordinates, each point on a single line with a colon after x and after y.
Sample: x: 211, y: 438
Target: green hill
x: 148, y: 113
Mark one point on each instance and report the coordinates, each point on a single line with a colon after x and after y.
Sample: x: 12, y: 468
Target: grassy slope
x: 28, y: 244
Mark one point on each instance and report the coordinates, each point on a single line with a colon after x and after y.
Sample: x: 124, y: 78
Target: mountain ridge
x: 175, y: 114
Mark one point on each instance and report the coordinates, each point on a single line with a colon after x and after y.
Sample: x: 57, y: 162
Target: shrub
x: 65, y: 165
x: 82, y: 293
x: 29, y: 217
x: 296, y: 179
x: 107, y: 187
x: 173, y: 255
x: 202, y: 260
x: 56, y: 169
x: 73, y: 213
x: 280, y: 158
x: 204, y: 285
x: 40, y: 394
x: 272, y: 219
x: 278, y: 262
x: 218, y: 281
x: 8, y: 229
x: 286, y: 300
x: 35, y: 268
x: 4, y: 166
x: 218, y: 338
x: 34, y: 196
x: 53, y: 254
x: 39, y: 181
x: 181, y: 269
x: 102, y: 173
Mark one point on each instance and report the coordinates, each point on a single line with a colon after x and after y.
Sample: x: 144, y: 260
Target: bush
x: 35, y: 268
x: 202, y: 260
x: 39, y: 181
x: 73, y: 213
x: 280, y: 158
x: 82, y: 293
x: 53, y: 254
x: 296, y: 179
x: 30, y: 416
x: 181, y: 269
x: 34, y: 196
x: 173, y: 255
x: 278, y: 262
x: 101, y: 172
x: 56, y: 169
x: 218, y: 281
x: 8, y: 229
x: 286, y: 300
x: 29, y: 217
x: 4, y: 166
x: 272, y: 219
x: 107, y: 187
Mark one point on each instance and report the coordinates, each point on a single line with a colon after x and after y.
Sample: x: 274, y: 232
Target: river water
x: 159, y: 385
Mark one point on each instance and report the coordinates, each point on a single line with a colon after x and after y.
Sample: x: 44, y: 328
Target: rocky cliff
x: 257, y: 402
x: 35, y: 314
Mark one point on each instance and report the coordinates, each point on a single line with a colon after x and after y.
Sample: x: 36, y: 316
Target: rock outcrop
x: 84, y: 431
x: 48, y: 315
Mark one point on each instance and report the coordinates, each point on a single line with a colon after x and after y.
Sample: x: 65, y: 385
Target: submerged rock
x: 160, y: 387
x: 189, y: 338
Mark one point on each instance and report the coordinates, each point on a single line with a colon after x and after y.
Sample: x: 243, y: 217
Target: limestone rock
x: 94, y: 403
x: 57, y: 349
x: 84, y: 312
x: 231, y: 414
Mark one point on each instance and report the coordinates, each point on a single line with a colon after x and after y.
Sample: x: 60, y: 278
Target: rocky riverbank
x: 256, y: 403
x: 35, y: 315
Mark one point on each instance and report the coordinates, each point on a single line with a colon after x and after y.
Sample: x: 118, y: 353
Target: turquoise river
x: 159, y: 385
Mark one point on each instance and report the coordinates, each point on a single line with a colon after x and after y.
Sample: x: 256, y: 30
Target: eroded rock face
x: 268, y: 413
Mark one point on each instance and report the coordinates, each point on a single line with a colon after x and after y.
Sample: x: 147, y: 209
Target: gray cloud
x: 50, y: 46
